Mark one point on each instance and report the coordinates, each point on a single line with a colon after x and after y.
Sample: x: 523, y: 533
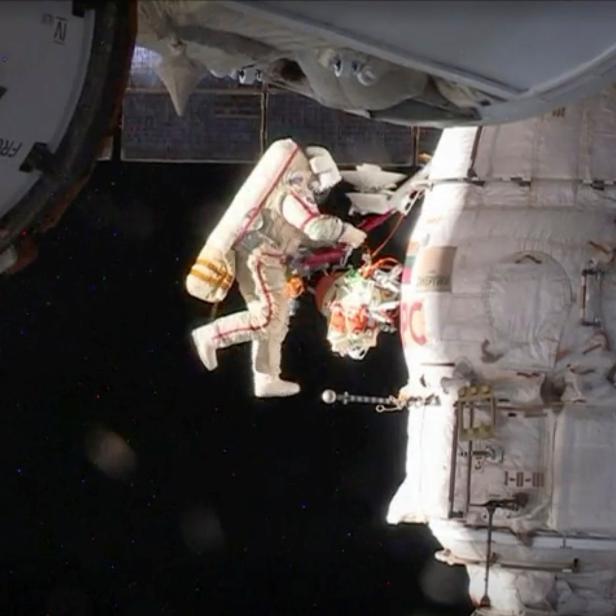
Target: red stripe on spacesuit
x: 311, y: 214
x: 308, y: 219
x: 310, y: 210
x: 270, y: 310
x: 265, y: 197
x: 418, y: 337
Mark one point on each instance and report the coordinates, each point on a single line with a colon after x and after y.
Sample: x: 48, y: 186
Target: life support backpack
x: 212, y: 275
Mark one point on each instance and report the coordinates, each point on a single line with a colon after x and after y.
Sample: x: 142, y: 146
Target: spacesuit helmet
x: 324, y: 168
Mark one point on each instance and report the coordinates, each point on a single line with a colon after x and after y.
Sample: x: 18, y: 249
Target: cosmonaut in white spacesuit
x: 273, y: 213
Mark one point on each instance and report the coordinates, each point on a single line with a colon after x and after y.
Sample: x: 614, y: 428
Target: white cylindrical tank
x: 508, y: 316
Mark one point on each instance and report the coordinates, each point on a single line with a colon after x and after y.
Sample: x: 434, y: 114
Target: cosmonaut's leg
x: 266, y: 350
x: 268, y: 353
x: 266, y: 357
x: 262, y: 281
x: 235, y: 328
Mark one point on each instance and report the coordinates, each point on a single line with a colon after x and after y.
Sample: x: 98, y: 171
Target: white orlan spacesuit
x: 267, y: 221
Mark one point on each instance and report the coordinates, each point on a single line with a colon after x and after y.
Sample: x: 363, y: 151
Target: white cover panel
x: 600, y: 115
x: 527, y: 304
x: 557, y: 140
x: 422, y: 499
x: 504, y: 151
x: 609, y: 304
x: 452, y: 156
x: 584, y: 496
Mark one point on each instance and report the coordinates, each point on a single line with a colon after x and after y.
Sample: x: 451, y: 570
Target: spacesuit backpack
x: 212, y: 275
x: 213, y: 272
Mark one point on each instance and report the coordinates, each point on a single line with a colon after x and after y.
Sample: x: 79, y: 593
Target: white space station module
x: 430, y: 63
x: 508, y: 325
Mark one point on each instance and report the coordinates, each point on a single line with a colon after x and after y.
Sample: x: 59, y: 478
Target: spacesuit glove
x: 352, y: 236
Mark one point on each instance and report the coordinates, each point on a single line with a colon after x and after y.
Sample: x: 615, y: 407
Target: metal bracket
x: 598, y: 184
x: 490, y: 452
x: 472, y: 399
x: 474, y: 181
x: 382, y: 404
x: 40, y: 158
x: 592, y: 277
x: 520, y: 181
x: 571, y: 566
x: 512, y: 504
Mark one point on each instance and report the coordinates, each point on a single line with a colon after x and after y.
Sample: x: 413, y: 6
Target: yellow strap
x: 213, y: 266
x: 228, y: 278
x: 215, y: 281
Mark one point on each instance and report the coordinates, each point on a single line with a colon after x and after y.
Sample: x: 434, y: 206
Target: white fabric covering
x: 516, y: 206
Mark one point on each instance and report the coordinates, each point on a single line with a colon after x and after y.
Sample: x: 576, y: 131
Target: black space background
x: 95, y: 334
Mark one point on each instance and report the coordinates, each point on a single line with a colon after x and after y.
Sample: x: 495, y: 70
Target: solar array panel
x: 227, y: 122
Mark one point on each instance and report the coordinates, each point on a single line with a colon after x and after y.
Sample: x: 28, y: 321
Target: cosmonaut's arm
x: 300, y: 210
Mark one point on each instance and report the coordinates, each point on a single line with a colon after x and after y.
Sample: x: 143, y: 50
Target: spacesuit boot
x: 202, y: 340
x: 266, y: 358
x: 268, y: 386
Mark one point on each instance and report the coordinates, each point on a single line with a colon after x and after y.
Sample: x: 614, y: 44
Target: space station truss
x: 227, y: 122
